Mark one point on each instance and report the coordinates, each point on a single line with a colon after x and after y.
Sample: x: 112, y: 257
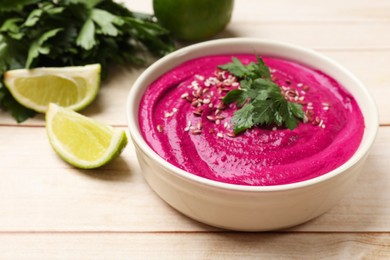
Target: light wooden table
x: 51, y: 210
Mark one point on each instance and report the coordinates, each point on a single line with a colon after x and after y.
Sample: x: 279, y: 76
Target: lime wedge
x: 81, y: 141
x: 73, y: 87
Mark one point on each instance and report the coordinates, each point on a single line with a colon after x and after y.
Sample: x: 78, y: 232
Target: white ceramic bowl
x: 240, y: 207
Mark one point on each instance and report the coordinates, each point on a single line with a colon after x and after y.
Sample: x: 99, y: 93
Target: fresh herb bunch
x: 260, y: 100
x: 37, y: 33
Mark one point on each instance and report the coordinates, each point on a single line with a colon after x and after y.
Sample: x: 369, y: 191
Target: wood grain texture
x: 371, y: 67
x: 50, y: 210
x: 304, y: 11
x: 40, y: 192
x: 218, y: 245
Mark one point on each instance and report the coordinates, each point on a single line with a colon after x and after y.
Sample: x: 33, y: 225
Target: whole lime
x: 193, y: 20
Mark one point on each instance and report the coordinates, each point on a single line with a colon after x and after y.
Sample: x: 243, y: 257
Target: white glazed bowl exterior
x: 250, y: 208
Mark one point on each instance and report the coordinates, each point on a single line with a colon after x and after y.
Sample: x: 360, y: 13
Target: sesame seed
x: 211, y: 118
x: 196, y: 131
x: 212, y: 81
x: 160, y: 128
x: 206, y: 101
x: 198, y: 111
x: 194, y: 84
x: 200, y: 77
x: 195, y: 103
x: 230, y: 134
x: 316, y: 121
x: 185, y: 95
x: 221, y: 106
x: 188, y: 126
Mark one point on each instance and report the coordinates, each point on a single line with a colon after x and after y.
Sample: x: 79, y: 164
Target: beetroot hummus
x: 183, y: 119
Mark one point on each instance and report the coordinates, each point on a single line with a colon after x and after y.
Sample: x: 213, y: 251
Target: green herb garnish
x: 56, y: 33
x: 260, y: 100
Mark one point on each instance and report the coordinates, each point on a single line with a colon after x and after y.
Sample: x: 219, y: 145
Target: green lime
x: 74, y: 87
x: 193, y: 20
x: 81, y: 141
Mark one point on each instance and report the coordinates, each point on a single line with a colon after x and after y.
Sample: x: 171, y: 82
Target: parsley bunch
x: 37, y: 33
x: 260, y: 100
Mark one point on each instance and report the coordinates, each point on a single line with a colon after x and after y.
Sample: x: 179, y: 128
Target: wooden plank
x: 40, y: 192
x: 367, y: 207
x: 315, y: 11
x: 195, y: 246
x: 320, y: 36
x: 298, y: 10
x: 51, y: 210
x: 109, y: 105
x: 370, y: 67
x: 319, y: 24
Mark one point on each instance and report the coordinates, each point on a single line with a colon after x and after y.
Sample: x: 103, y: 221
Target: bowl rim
x: 136, y: 135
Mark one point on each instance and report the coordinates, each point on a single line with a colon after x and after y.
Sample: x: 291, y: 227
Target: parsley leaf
x: 86, y: 37
x: 39, y: 46
x: 56, y: 33
x: 259, y: 99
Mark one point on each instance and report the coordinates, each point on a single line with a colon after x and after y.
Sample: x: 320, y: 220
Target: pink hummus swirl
x: 183, y: 120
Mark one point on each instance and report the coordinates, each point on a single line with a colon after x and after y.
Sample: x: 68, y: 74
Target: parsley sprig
x: 37, y: 33
x: 259, y: 99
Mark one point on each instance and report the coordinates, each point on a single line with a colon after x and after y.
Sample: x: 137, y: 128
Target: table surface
x: 50, y: 210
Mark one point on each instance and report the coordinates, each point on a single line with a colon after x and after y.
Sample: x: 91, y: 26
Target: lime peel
x: 74, y: 87
x: 82, y: 141
x: 193, y: 20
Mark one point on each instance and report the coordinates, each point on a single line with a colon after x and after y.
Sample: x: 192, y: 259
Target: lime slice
x: 193, y: 20
x: 72, y: 87
x: 81, y: 141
